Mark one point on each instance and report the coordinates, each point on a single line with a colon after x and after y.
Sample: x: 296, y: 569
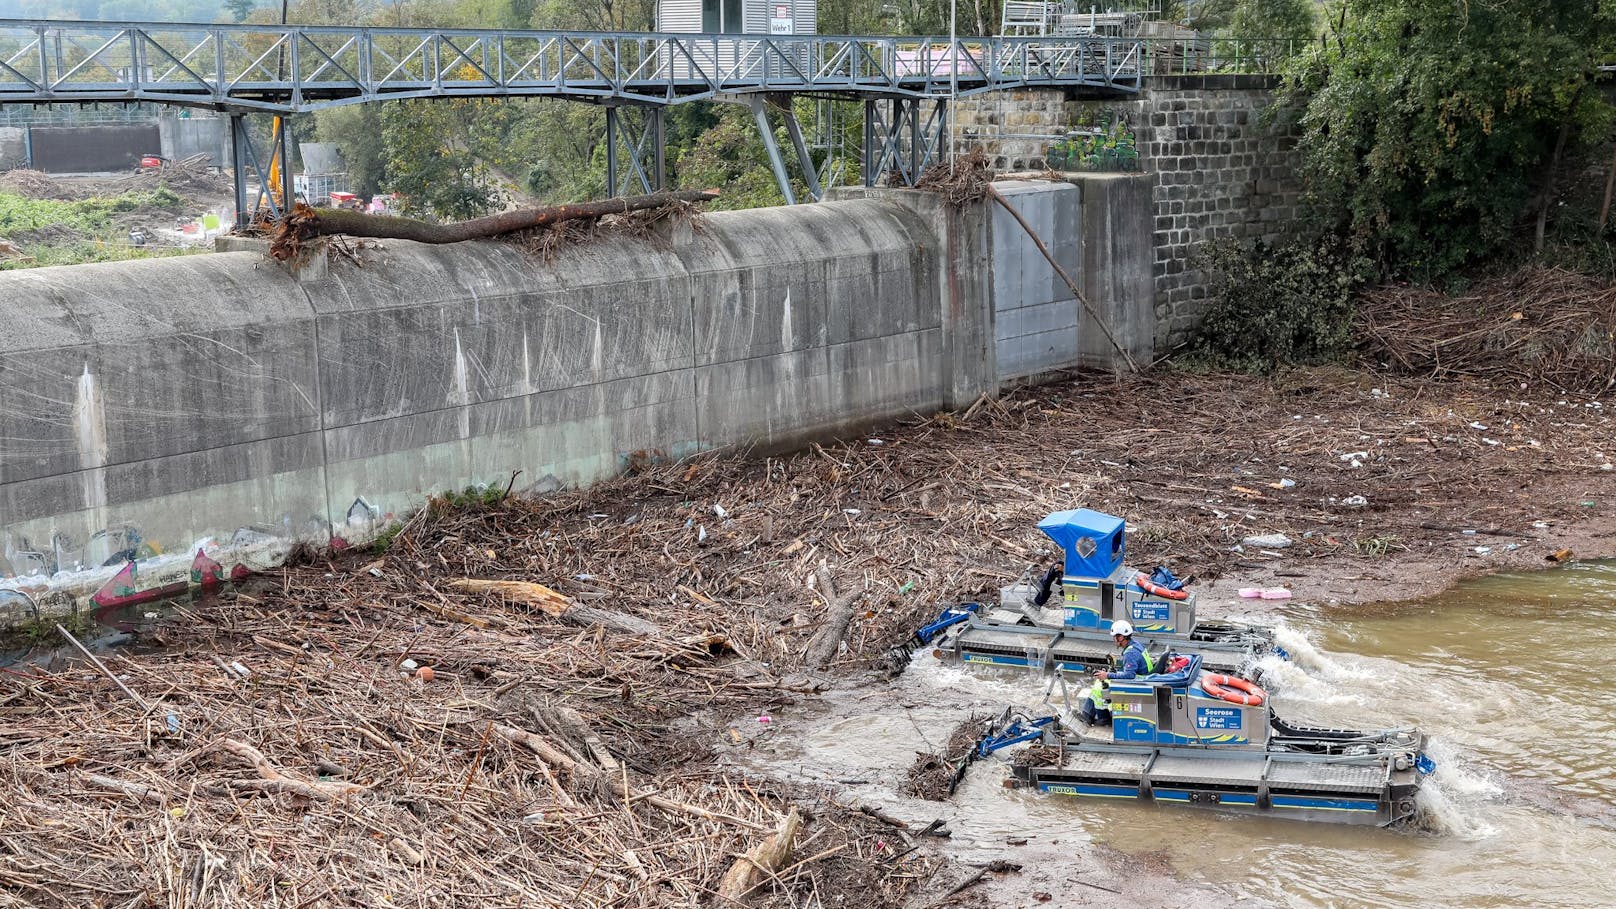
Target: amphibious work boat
x: 1071, y: 633
x: 1178, y: 738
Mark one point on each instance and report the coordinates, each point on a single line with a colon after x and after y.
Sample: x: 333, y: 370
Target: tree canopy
x: 1430, y: 127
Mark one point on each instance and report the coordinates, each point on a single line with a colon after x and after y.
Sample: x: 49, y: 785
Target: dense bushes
x: 1286, y: 303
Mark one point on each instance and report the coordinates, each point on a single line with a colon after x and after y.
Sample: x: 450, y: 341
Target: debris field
x: 517, y: 701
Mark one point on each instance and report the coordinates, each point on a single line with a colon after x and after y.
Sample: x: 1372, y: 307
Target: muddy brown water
x: 1511, y: 676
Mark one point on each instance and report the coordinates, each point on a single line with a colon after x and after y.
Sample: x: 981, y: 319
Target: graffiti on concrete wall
x: 117, y: 567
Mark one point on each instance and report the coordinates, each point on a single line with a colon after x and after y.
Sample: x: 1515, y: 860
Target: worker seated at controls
x: 1136, y: 661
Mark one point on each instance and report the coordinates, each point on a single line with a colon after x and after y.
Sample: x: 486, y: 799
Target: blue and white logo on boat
x: 1147, y: 611
x: 1217, y: 718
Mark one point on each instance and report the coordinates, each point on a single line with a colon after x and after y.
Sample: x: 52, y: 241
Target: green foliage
x: 472, y: 498
x: 86, y: 251
x: 384, y: 540
x: 730, y: 156
x: 1428, y: 125
x: 42, y: 630
x: 1271, y: 305
x: 19, y: 213
x: 1104, y: 143
x: 93, y: 221
x: 1292, y: 20
x: 432, y: 159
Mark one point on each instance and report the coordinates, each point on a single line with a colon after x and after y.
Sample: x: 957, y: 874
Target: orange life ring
x: 1158, y: 590
x: 1219, y: 687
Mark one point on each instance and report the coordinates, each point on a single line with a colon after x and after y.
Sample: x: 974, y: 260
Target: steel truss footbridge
x: 905, y: 84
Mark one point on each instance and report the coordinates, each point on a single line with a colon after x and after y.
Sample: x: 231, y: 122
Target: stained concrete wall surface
x: 183, y: 137
x: 13, y: 147
x: 1035, y: 313
x: 156, y: 407
x: 228, y: 405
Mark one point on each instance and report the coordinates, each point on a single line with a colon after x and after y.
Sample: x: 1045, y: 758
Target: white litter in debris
x: 1476, y: 424
x: 1286, y: 483
x: 1355, y: 501
x: 851, y: 511
x: 408, y: 665
x: 1483, y: 550
x: 1267, y: 541
x: 719, y: 510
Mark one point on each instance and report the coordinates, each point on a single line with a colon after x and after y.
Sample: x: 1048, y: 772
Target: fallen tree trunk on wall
x: 305, y: 222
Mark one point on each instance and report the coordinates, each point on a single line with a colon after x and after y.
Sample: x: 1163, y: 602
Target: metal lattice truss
x: 644, y: 143
x: 904, y: 139
x: 297, y: 68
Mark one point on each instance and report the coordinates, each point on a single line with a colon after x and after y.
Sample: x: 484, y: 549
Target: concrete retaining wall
x: 182, y: 137
x: 226, y: 404
x: 87, y: 149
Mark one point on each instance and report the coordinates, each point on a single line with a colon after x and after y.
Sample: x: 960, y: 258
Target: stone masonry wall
x: 1221, y: 173
x: 1220, y: 169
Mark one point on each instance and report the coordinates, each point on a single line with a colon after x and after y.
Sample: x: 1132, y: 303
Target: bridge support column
x: 905, y: 139
x: 246, y: 159
x: 647, y: 172
x: 759, y: 105
x: 804, y: 160
x: 239, y: 142
x: 288, y: 194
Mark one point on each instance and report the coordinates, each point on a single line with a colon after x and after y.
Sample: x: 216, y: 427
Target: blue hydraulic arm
x: 1011, y: 732
x: 948, y: 618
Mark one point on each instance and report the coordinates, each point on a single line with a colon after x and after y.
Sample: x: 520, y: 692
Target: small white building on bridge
x: 738, y: 17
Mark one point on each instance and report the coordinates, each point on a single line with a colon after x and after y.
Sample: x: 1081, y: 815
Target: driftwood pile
x: 963, y: 181
x: 391, y: 732
x: 934, y: 775
x: 1541, y: 326
x: 445, y: 724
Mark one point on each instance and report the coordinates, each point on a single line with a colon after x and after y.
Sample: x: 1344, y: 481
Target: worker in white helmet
x: 1096, y: 706
x: 1135, y: 660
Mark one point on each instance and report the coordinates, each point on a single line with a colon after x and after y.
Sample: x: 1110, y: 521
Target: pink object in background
x: 1271, y: 593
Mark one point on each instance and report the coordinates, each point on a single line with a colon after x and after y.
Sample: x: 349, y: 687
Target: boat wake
x: 1458, y: 799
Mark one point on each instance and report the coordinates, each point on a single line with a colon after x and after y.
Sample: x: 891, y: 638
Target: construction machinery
x: 1179, y: 739
x: 1062, y: 623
